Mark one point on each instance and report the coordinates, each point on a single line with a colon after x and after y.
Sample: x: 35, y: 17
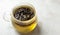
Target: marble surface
x: 47, y: 11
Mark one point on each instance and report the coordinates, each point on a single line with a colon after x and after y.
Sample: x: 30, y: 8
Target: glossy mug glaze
x: 24, y: 26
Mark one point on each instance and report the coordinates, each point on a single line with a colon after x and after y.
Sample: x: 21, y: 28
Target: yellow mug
x: 24, y: 26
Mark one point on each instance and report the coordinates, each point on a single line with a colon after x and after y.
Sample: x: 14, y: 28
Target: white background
x: 48, y: 14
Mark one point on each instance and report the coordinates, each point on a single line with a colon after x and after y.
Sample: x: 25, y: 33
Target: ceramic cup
x: 24, y: 26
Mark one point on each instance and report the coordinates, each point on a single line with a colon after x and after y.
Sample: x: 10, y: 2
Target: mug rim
x: 32, y: 19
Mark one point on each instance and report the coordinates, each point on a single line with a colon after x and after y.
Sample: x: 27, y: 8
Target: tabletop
x: 47, y: 11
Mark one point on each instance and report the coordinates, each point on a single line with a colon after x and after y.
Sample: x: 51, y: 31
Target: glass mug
x: 24, y: 26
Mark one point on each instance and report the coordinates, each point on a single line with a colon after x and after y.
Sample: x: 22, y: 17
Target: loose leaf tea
x: 23, y: 14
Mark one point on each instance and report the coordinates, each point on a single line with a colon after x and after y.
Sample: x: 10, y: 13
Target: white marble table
x: 48, y: 13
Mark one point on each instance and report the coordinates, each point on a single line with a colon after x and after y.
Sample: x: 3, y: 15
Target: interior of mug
x: 26, y: 6
x: 27, y: 21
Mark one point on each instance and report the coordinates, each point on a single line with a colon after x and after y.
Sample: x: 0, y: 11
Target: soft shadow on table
x: 36, y: 31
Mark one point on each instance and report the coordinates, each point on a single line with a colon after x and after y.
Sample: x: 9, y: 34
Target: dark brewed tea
x: 24, y: 13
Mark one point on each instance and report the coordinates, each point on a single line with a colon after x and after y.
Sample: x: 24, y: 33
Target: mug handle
x: 7, y: 16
